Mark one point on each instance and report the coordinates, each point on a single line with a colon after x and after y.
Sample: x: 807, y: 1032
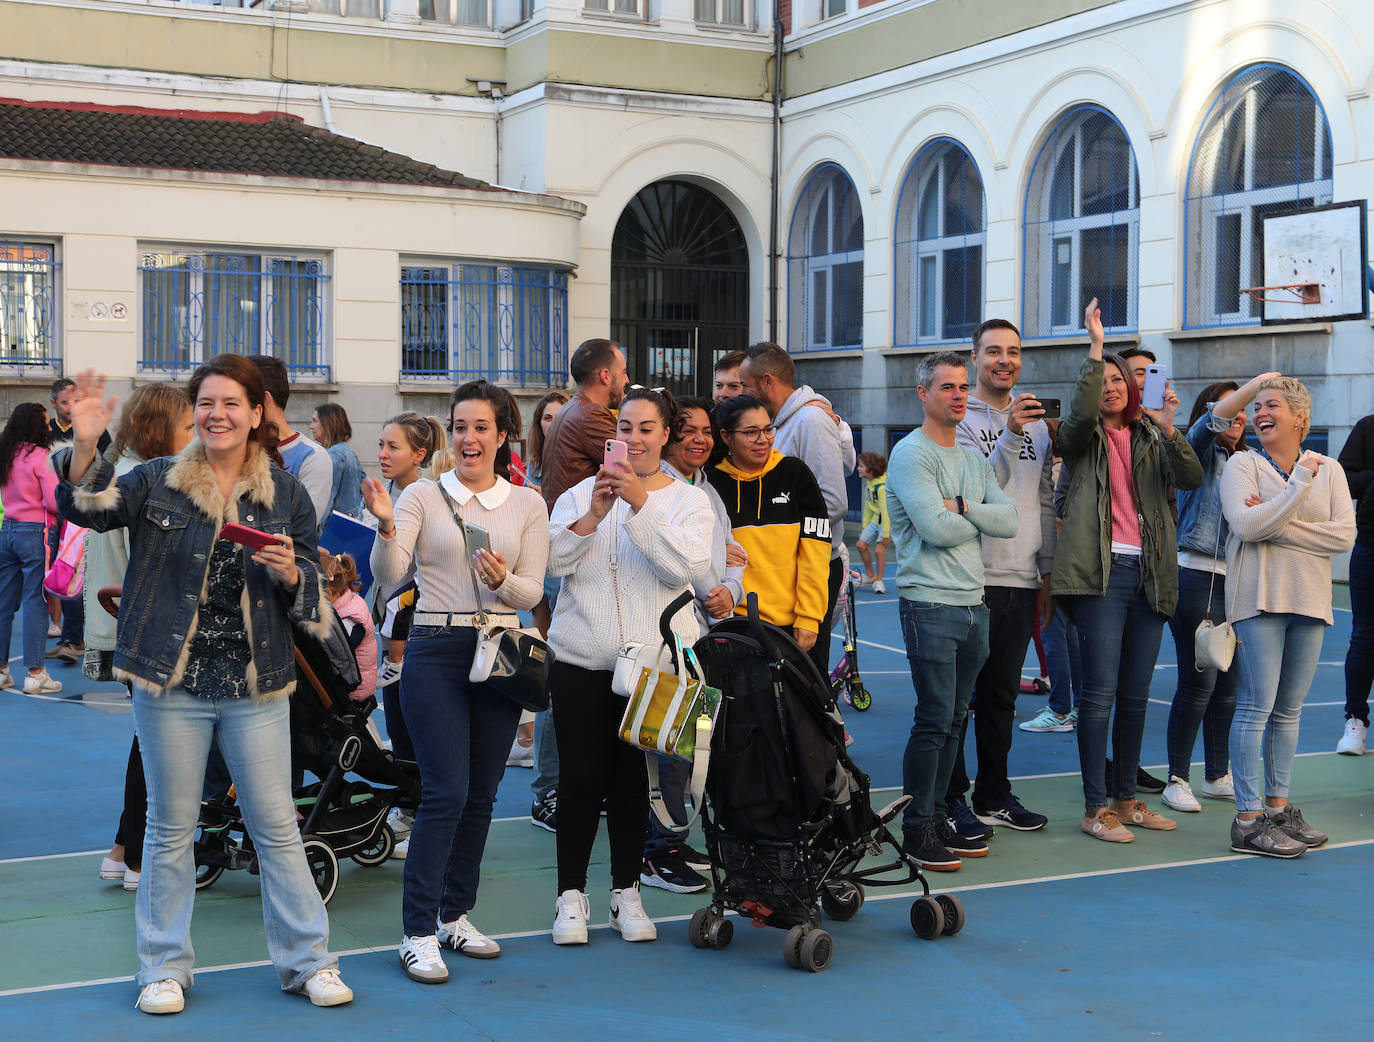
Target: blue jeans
x: 462, y: 733
x: 1118, y: 637
x: 946, y: 646
x: 1206, y: 698
x: 175, y: 732
x: 22, y: 561
x: 1359, y: 660
x: 1064, y: 662
x: 1277, y: 659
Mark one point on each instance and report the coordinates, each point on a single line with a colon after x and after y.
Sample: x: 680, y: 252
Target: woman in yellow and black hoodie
x: 778, y: 514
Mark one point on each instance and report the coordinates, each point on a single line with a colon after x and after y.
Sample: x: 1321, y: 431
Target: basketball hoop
x: 1301, y: 293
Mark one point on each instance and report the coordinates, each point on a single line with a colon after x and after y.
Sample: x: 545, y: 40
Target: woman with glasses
x: 777, y: 513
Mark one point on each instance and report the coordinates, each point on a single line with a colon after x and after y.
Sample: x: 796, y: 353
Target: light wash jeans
x: 21, y: 588
x: 175, y: 731
x: 1276, y: 656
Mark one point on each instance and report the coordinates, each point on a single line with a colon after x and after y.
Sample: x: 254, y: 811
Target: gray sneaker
x: 1289, y: 821
x: 1261, y: 836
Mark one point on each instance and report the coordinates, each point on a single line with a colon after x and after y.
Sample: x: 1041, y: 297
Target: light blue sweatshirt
x: 939, y: 552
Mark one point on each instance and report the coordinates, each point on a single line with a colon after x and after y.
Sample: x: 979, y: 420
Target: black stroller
x: 788, y: 820
x: 330, y: 737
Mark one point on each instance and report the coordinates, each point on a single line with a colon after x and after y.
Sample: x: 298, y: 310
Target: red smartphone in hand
x: 249, y: 537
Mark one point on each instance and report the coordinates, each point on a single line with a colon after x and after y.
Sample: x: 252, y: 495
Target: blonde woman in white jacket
x: 659, y: 534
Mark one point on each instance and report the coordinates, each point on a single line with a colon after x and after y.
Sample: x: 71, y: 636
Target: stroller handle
x: 665, y: 626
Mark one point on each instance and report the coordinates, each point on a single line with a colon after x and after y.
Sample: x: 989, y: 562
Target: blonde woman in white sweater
x: 1290, y: 512
x: 659, y: 532
x: 462, y: 731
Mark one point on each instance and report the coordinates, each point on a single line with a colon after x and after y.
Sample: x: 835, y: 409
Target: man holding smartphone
x: 1011, y: 434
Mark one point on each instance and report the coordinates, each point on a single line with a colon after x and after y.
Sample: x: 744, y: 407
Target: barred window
x: 197, y: 305
x: 1264, y: 147
x: 28, y: 307
x: 1082, y: 228
x: 940, y: 239
x: 825, y: 265
x: 484, y: 321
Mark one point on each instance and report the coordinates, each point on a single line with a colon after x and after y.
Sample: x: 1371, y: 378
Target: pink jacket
x: 352, y: 608
x: 30, y: 493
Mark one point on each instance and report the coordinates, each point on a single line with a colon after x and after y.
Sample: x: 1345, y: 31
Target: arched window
x: 825, y: 265
x: 1082, y: 234
x: 1264, y: 147
x: 940, y: 238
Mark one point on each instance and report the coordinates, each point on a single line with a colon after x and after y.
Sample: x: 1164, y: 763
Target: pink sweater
x: 1125, y: 513
x: 30, y: 494
x: 352, y: 608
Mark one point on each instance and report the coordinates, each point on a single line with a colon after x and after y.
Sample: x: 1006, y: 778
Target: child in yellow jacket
x: 877, y: 529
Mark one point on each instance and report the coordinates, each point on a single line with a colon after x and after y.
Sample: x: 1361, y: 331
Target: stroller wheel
x: 842, y: 900
x: 378, y: 852
x: 720, y: 933
x: 860, y: 699
x: 324, y: 866
x: 696, y: 929
x: 816, y: 949
x: 207, y: 874
x: 791, y: 946
x: 927, y: 918
x: 954, y: 913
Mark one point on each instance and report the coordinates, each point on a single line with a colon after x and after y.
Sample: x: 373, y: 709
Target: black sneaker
x: 1290, y: 822
x: 1144, y: 781
x: 693, y: 858
x: 923, y: 844
x: 964, y: 846
x: 1013, y: 816
x: 544, y: 810
x: 965, y: 822
x: 668, y: 871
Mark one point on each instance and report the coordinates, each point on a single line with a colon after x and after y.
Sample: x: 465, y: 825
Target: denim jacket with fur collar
x: 173, y: 509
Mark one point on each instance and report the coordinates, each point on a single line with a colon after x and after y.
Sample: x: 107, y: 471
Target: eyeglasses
x: 641, y: 387
x: 755, y: 433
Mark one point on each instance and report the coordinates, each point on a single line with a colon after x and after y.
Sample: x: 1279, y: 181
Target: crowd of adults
x: 1089, y: 532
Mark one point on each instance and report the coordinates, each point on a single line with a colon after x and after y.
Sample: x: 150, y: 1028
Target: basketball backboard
x: 1314, y: 264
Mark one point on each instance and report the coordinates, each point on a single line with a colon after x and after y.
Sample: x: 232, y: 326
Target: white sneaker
x: 390, y: 672
x: 628, y: 916
x: 112, y: 871
x: 326, y: 988
x: 6, y: 678
x: 161, y: 996
x: 400, y: 850
x: 520, y: 755
x: 131, y: 876
x: 401, y: 822
x: 1352, y: 741
x: 41, y: 683
x: 54, y: 630
x: 421, y: 960
x: 878, y: 586
x: 1221, y: 789
x: 1179, y: 795
x: 570, y: 924
x: 463, y: 937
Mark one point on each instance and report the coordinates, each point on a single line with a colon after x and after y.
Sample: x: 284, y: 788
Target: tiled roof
x: 267, y: 144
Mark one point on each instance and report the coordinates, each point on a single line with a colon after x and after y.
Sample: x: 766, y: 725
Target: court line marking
x: 898, y: 896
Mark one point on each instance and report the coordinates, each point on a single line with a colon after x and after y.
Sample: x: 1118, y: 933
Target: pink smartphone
x: 249, y: 537
x: 616, y: 452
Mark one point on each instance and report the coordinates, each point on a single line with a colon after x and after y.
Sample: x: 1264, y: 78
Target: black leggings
x: 135, y: 817
x: 594, y: 764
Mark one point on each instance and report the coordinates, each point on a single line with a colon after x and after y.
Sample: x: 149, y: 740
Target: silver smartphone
x: 477, y: 537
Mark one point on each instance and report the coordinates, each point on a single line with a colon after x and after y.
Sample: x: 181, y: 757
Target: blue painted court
x: 1169, y: 937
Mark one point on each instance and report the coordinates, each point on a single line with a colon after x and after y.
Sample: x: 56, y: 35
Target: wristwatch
x: 959, y: 502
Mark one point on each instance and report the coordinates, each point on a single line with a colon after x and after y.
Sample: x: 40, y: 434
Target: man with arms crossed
x: 942, y: 498
x: 1009, y: 434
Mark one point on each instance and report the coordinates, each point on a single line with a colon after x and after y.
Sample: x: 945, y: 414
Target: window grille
x: 825, y: 265
x: 197, y: 305
x: 484, y: 322
x: 1264, y: 147
x: 940, y: 241
x: 28, y: 307
x: 1082, y: 228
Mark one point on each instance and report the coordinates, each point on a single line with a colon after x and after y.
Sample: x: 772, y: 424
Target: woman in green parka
x: 1116, y: 568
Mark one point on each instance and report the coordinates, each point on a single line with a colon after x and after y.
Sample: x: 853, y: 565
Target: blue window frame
x: 825, y: 265
x: 939, y: 248
x: 1264, y: 146
x: 1082, y: 228
x: 196, y: 305
x: 28, y: 307
x: 484, y: 321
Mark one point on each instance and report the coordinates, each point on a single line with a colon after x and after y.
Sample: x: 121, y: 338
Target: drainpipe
x: 491, y: 89
x: 773, y: 252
